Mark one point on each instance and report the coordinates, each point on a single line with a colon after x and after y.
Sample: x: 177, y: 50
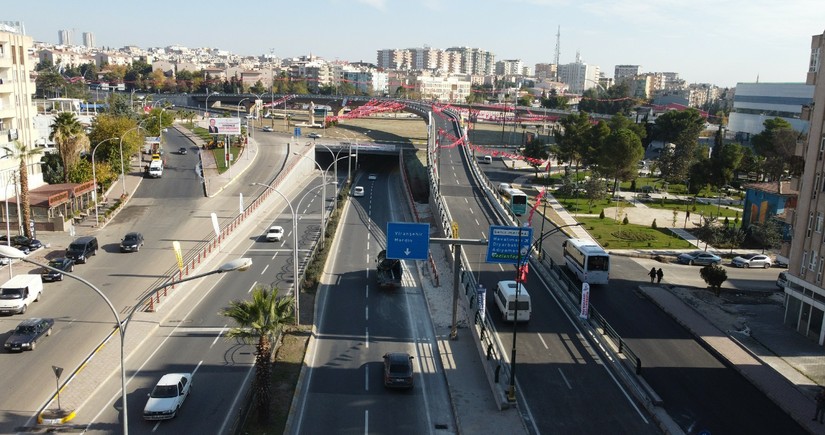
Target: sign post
x: 509, y: 245
x: 408, y: 241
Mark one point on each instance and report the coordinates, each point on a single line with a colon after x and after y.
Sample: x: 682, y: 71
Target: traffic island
x: 55, y: 417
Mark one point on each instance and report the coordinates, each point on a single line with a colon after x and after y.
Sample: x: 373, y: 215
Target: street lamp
x: 122, y: 170
x: 335, y: 203
x: 94, y: 177
x: 207, y: 100
x: 295, y: 275
x: 238, y: 264
x: 323, y: 195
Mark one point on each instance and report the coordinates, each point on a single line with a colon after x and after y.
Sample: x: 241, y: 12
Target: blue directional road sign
x: 503, y: 244
x: 297, y: 132
x: 408, y: 241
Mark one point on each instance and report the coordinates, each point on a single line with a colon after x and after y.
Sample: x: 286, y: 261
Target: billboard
x: 224, y: 125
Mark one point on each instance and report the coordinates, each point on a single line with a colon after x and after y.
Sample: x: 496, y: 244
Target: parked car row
x: 703, y: 258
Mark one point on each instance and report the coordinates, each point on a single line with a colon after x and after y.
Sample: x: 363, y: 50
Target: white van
x: 503, y: 188
x: 487, y: 159
x: 358, y: 191
x: 156, y: 169
x: 505, y: 297
x: 19, y: 292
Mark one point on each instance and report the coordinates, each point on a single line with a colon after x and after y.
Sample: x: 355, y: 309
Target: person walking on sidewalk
x: 820, y: 405
x: 652, y: 274
x: 659, y: 275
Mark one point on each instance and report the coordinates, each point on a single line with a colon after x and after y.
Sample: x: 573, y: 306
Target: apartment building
x: 804, y: 293
x: 754, y: 103
x: 579, y: 76
x: 17, y: 111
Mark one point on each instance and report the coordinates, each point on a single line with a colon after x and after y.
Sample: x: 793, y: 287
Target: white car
x: 167, y: 397
x: 274, y: 234
x: 752, y: 260
x: 358, y: 191
x: 314, y: 135
x: 372, y: 177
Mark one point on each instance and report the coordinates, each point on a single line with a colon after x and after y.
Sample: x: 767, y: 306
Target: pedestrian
x: 659, y: 275
x: 652, y: 274
x: 820, y: 405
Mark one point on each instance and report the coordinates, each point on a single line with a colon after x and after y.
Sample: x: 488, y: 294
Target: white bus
x: 587, y: 260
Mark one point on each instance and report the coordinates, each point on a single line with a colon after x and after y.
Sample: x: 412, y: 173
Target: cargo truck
x: 389, y: 271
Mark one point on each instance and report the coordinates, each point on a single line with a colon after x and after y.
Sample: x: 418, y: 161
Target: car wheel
x: 691, y: 263
x: 34, y: 344
x: 60, y: 278
x: 746, y: 266
x: 23, y: 309
x: 767, y: 265
x: 71, y: 268
x: 49, y: 332
x: 37, y: 299
x: 137, y: 248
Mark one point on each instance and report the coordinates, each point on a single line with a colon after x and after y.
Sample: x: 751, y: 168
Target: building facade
x: 17, y: 111
x: 804, y: 293
x: 88, y: 39
x: 754, y: 103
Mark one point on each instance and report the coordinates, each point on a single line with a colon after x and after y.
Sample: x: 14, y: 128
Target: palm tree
x: 24, y: 153
x: 263, y: 317
x: 69, y: 139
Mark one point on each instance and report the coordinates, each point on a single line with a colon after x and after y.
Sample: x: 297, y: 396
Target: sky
x: 704, y: 41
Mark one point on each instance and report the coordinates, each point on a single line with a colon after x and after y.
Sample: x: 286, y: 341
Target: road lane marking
x: 565, y: 379
x: 366, y: 421
x: 219, y: 335
x: 265, y: 268
x: 366, y: 378
x: 477, y: 223
x: 367, y: 338
x: 543, y: 342
x: 367, y: 313
x: 252, y: 287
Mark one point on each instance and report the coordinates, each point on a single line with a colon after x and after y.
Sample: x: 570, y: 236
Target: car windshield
x: 748, y: 256
x: 25, y: 329
x: 165, y: 391
x: 130, y: 238
x: 56, y: 263
x: 399, y: 368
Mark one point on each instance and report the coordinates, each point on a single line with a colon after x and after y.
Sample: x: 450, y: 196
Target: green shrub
x: 625, y: 221
x: 653, y: 225
x: 601, y: 214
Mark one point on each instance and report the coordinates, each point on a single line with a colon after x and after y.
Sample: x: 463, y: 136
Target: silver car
x: 752, y: 260
x: 699, y: 257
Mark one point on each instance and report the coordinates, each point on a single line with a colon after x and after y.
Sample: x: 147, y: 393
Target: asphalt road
x: 166, y: 209
x: 358, y: 324
x: 564, y: 382
x: 701, y: 393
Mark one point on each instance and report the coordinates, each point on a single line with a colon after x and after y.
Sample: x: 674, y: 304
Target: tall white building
x: 621, y: 72
x: 579, y: 76
x: 17, y: 111
x: 64, y: 37
x: 88, y: 39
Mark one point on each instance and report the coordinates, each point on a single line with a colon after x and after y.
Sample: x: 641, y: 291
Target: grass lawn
x: 614, y: 235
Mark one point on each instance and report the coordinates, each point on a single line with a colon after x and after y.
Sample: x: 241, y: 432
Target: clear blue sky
x: 720, y: 42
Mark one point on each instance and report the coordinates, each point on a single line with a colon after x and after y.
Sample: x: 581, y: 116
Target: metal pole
x: 94, y: 179
x: 456, y: 284
x: 511, y: 394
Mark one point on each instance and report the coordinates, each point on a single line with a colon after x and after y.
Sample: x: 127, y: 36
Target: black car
x: 28, y: 332
x: 62, y: 263
x: 22, y: 243
x: 182, y: 151
x: 131, y: 242
x: 398, y: 370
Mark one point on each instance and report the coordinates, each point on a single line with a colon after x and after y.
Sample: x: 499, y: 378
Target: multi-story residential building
x: 450, y: 89
x: 474, y: 60
x: 621, y: 72
x: 754, y: 103
x: 88, y: 39
x: 805, y: 292
x: 64, y: 37
x: 65, y: 58
x: 426, y: 58
x: 509, y: 67
x: 17, y: 111
x: 545, y: 71
x: 579, y: 76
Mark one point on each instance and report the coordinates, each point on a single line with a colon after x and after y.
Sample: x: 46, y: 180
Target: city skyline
x: 721, y: 43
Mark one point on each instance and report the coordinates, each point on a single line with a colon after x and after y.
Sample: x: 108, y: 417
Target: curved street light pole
x: 323, y: 195
x: 94, y: 177
x: 238, y: 264
x: 122, y: 170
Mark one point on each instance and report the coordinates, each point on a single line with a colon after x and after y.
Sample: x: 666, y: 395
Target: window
x: 802, y: 263
x: 819, y: 219
x: 816, y: 183
x: 814, y: 66
x: 812, y: 266
x: 819, y: 270
x: 821, y: 149
x: 810, y: 224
